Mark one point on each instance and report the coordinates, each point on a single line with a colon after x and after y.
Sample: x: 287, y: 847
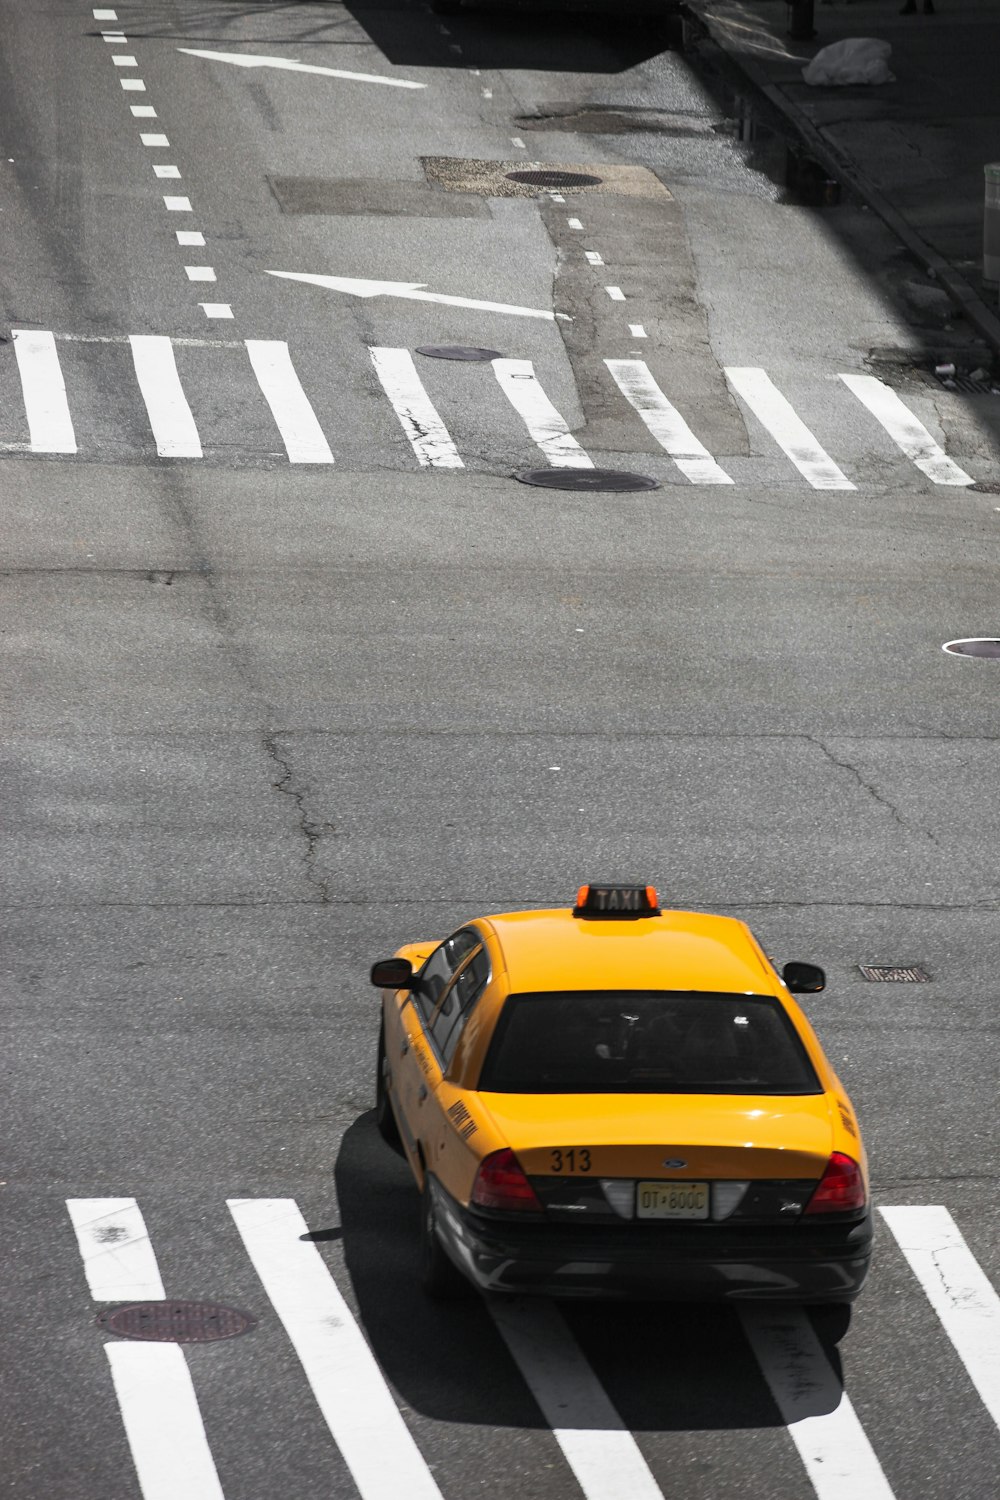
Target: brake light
x: 501, y: 1183
x: 841, y: 1188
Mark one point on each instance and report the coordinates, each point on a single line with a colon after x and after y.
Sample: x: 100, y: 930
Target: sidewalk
x: 913, y: 149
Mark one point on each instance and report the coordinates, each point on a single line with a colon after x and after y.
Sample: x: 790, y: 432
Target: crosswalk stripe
x: 958, y: 1290
x: 664, y: 421
x: 602, y: 1454
x: 118, y: 1259
x: 174, y: 430
x: 520, y: 385
x: 906, y: 431
x: 416, y: 412
x: 162, y: 1422
x: 348, y: 1385
x: 293, y: 415
x: 50, y: 426
x: 821, y: 1421
x: 776, y: 414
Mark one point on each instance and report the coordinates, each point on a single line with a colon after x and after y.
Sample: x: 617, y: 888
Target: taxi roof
x: 677, y: 950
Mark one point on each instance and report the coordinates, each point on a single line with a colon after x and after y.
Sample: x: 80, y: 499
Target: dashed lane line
x: 776, y: 415
x: 346, y: 1381
x: 546, y: 427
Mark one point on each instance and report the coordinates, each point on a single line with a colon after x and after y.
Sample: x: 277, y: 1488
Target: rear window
x: 646, y: 1042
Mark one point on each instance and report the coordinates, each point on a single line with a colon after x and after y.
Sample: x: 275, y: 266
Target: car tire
x: 385, y: 1120
x: 440, y: 1278
x: 831, y: 1320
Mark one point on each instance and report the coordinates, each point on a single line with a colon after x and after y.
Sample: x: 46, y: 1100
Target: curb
x: 962, y: 292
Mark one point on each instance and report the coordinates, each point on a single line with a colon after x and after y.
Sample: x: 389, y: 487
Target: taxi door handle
x: 422, y: 1093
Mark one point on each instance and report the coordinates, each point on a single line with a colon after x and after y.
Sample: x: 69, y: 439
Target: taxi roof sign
x: 616, y: 901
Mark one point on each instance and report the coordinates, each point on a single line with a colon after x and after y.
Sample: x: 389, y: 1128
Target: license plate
x: 671, y: 1200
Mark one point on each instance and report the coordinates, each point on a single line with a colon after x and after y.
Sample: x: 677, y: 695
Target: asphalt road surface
x: 296, y: 671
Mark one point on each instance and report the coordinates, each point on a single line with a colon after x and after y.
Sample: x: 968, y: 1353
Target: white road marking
x: 143, y: 111
x: 114, y: 38
x: 520, y: 385
x: 189, y: 237
x: 178, y: 205
x: 348, y: 1385
x: 118, y: 1259
x: 958, y: 1290
x: 105, y: 15
x: 516, y: 140
x: 487, y: 93
x: 637, y: 331
x: 574, y: 223
x: 122, y: 60
x: 417, y: 414
x: 246, y: 60
x: 906, y: 431
x: 634, y: 380
x: 133, y: 85
x: 413, y: 291
x: 294, y: 417
x: 603, y: 1455
x: 200, y: 273
x: 151, y: 138
x: 162, y: 1422
x: 821, y: 1421
x: 557, y: 198
x: 50, y: 426
x: 163, y: 170
x: 170, y: 418
x: 594, y: 257
x: 216, y: 309
x: 773, y: 412
x: 615, y: 293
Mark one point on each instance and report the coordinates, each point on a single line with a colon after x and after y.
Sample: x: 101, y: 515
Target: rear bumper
x: 796, y: 1262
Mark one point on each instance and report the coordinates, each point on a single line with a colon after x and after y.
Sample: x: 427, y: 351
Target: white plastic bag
x: 859, y: 59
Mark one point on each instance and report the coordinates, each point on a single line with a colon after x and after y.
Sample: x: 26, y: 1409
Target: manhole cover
x: 901, y: 974
x: 176, y: 1322
x: 554, y: 179
x: 976, y: 646
x: 459, y: 351
x: 586, y: 479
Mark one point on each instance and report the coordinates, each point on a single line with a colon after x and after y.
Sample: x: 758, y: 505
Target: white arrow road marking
x: 548, y: 429
x: 905, y: 430
x: 246, y: 60
x: 417, y: 414
x: 413, y: 290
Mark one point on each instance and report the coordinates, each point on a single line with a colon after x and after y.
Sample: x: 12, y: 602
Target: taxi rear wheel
x: 385, y: 1120
x: 440, y: 1277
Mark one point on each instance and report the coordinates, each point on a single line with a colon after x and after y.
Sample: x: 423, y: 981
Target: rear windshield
x: 646, y: 1042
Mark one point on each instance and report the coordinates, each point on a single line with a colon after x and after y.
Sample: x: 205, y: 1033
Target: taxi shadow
x: 408, y: 34
x: 665, y: 1366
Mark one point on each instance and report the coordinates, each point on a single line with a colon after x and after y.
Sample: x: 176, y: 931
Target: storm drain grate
x: 587, y: 479
x: 898, y: 974
x: 176, y: 1322
x: 552, y: 178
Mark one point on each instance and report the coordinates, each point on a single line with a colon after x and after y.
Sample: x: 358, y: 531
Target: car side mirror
x: 392, y: 974
x: 804, y: 979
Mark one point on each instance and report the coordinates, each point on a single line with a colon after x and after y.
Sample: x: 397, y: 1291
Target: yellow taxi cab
x: 614, y: 1100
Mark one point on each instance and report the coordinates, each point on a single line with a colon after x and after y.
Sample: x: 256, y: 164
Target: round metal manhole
x: 587, y: 479
x: 459, y: 351
x: 554, y: 179
x: 974, y: 646
x: 176, y: 1322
